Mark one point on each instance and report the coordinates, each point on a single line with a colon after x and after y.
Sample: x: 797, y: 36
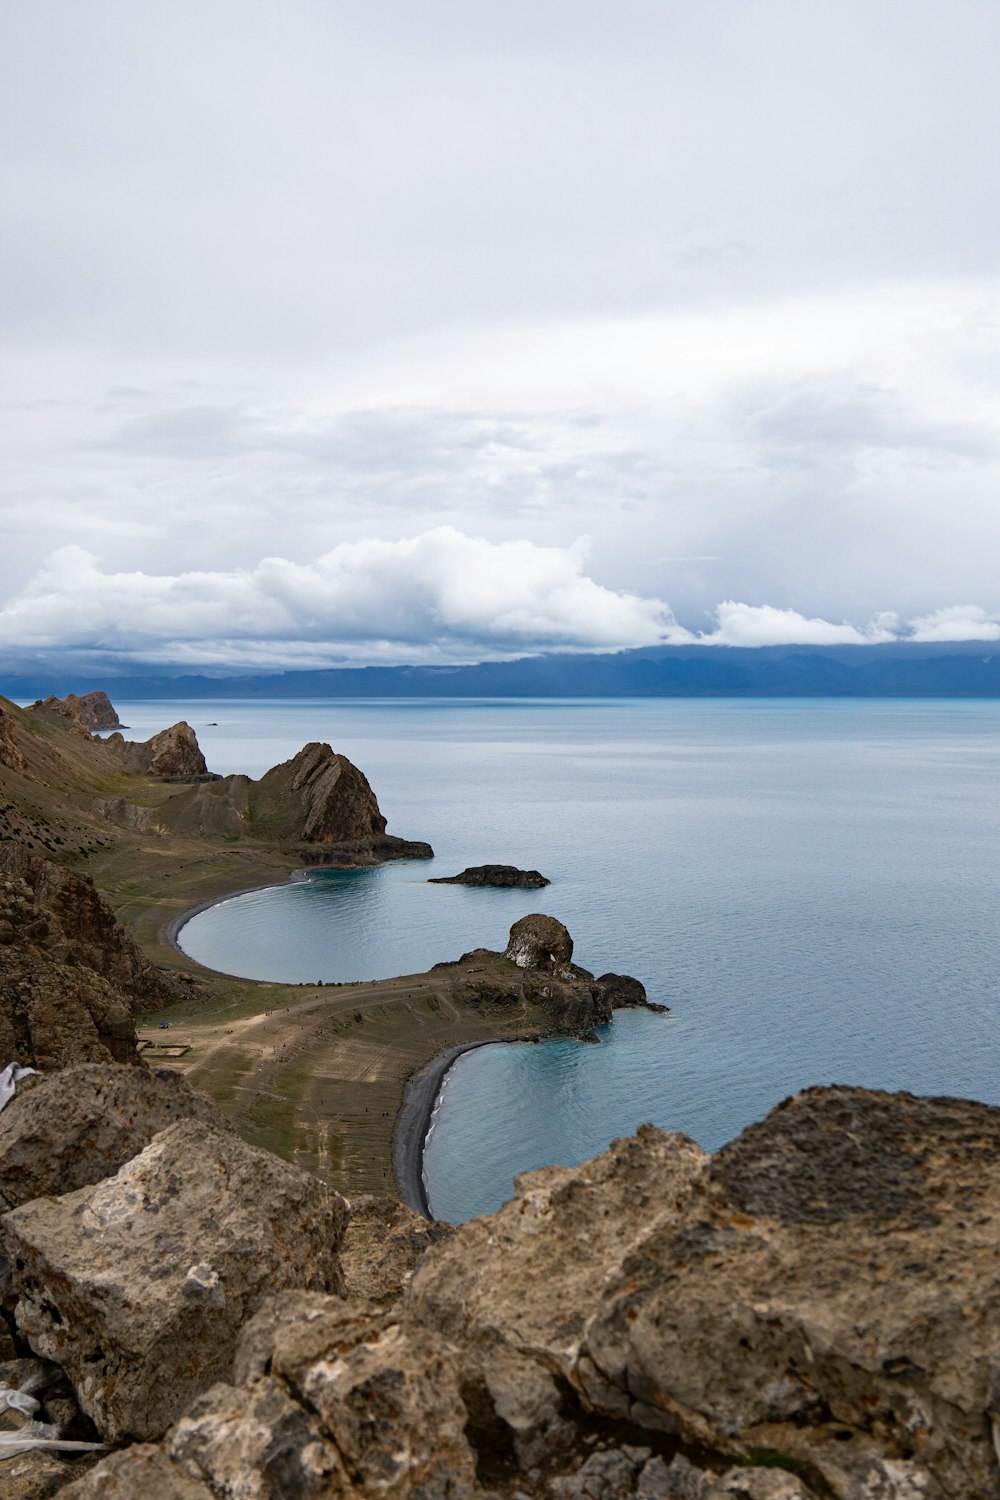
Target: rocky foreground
x: 810, y: 1312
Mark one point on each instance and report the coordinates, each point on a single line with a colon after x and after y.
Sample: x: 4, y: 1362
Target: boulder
x: 142, y: 1472
x: 70, y: 978
x: 821, y: 1296
x: 138, y: 1286
x: 538, y: 942
x: 505, y: 877
x: 622, y: 992
x: 383, y: 1243
x: 330, y: 1398
x: 68, y: 1129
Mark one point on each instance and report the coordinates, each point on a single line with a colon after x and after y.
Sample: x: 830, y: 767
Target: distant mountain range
x: 899, y: 670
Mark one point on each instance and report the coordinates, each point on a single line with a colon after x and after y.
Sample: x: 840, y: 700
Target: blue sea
x: 811, y: 886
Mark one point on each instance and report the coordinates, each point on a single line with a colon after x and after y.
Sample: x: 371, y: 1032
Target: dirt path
x: 319, y: 1075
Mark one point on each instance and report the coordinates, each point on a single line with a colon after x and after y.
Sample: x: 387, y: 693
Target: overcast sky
x: 381, y: 330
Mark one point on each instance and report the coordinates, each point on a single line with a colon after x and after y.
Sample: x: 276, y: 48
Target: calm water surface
x: 810, y: 885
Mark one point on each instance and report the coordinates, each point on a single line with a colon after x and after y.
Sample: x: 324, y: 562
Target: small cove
x: 812, y: 886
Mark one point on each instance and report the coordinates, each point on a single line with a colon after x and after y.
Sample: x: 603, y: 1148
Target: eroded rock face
x: 65, y: 1130
x: 329, y: 797
x: 138, y: 1286
x: 69, y: 976
x: 173, y: 753
x: 383, y: 1244
x: 538, y: 942
x: 10, y: 751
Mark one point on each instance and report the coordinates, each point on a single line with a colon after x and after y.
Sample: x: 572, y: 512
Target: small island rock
x: 506, y: 877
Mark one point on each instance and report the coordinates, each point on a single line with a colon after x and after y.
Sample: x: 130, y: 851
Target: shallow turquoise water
x: 810, y: 885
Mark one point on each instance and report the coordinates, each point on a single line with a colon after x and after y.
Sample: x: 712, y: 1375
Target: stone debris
x: 808, y: 1314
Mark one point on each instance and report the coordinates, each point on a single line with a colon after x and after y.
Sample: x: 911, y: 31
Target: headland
x: 317, y: 1073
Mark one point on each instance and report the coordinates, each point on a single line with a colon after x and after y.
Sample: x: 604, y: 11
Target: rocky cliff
x: 811, y: 1312
x: 69, y: 977
x: 88, y: 711
x: 173, y: 754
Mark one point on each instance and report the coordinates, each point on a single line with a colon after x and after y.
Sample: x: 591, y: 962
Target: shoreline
x: 176, y: 924
x: 413, y: 1122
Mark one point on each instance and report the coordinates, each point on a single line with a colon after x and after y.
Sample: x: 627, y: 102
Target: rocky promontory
x: 88, y: 711
x: 504, y: 877
x: 174, y: 754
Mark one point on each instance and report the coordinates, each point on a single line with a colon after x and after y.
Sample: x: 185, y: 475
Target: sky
x: 371, y: 331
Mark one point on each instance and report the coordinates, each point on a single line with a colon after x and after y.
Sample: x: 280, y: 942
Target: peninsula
x: 315, y: 1073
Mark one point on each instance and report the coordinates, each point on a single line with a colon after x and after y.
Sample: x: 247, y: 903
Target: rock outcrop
x: 328, y: 798
x: 138, y: 1286
x: 538, y: 942
x: 319, y: 797
x: 69, y: 977
x: 72, y: 1128
x: 505, y: 877
x: 172, y: 755
x: 88, y: 710
x: 382, y: 1246
x: 810, y: 1313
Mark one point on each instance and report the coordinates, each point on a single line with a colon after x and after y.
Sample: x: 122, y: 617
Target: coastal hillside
x: 901, y: 669
x: 151, y: 823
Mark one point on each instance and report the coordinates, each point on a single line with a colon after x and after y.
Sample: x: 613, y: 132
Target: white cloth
x: 9, y: 1080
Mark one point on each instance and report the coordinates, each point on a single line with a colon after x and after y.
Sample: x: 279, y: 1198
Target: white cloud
x: 438, y: 597
x: 441, y: 594
x: 959, y: 622
x: 765, y: 625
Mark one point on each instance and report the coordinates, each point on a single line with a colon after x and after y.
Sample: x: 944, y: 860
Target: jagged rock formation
x: 809, y: 1313
x: 506, y: 877
x: 538, y: 942
x: 88, y: 711
x: 322, y: 796
x: 138, y: 1286
x: 317, y: 801
x: 172, y: 754
x: 69, y: 977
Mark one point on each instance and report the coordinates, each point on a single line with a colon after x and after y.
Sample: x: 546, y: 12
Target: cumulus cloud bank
x: 439, y: 596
